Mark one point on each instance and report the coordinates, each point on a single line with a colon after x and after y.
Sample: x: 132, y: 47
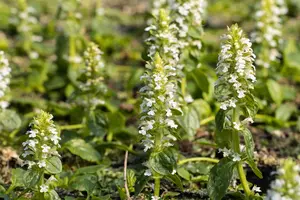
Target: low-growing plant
x: 233, y: 90
x: 41, y: 158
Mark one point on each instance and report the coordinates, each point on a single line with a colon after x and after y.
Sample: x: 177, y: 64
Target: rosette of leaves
x: 233, y: 90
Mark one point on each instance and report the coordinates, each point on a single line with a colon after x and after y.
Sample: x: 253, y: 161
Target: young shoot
x: 233, y: 89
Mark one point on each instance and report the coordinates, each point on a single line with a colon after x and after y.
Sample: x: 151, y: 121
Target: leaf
x: 163, y: 162
x: 184, y: 173
x: 251, y: 105
x: 97, y: 123
x: 131, y: 179
x: 53, y: 165
x: 51, y: 195
x: 219, y: 178
x: 90, y: 169
x: 223, y: 138
x: 275, y: 91
x: 201, y: 80
x: 190, y: 121
x: 142, y: 180
x: 84, y: 183
x: 83, y: 149
x: 285, y: 111
x: 31, y: 178
x: 9, y: 120
x: 116, y: 121
x: 175, y: 179
x: 17, y: 177
x: 250, y: 152
x: 220, y: 119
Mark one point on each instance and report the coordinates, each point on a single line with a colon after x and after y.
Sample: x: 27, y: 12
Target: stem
x: 207, y: 120
x: 236, y: 148
x: 183, y: 86
x: 156, y: 186
x: 71, y: 127
x: 203, y: 159
x: 125, y: 176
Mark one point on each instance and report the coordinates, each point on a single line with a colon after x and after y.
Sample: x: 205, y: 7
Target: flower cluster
x: 4, y: 80
x: 235, y: 69
x: 189, y: 14
x: 231, y: 154
x: 287, y: 184
x: 43, y: 140
x: 23, y: 17
x: 94, y: 70
x: 269, y: 30
x: 159, y: 101
x: 164, y: 41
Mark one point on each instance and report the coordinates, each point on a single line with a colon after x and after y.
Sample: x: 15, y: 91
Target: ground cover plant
x: 149, y: 99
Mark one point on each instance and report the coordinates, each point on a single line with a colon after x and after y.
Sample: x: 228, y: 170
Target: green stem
x: 196, y: 159
x: 156, y: 186
x: 71, y: 127
x: 207, y: 120
x: 183, y: 86
x: 236, y: 148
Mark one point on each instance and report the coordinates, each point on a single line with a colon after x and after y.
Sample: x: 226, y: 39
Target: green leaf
x: 9, y: 120
x: 219, y: 178
x: 190, y: 121
x: 116, y: 121
x: 84, y: 183
x: 97, y: 123
x: 17, y: 177
x: 31, y: 178
x: 250, y: 152
x: 275, y: 91
x: 131, y: 179
x: 223, y: 138
x: 51, y: 195
x: 251, y: 105
x: 142, y: 180
x: 53, y: 165
x: 90, y: 169
x: 163, y: 162
x: 220, y: 119
x: 201, y: 80
x: 175, y: 179
x: 184, y: 173
x: 285, y: 111
x: 83, y: 149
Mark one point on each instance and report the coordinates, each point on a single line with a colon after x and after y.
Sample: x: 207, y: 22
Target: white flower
x: 171, y: 123
x: 256, y: 189
x: 173, y: 172
x: 269, y: 30
x: 237, y: 126
x: 147, y: 172
x: 45, y: 148
x: 44, y: 188
x: 235, y: 69
x: 41, y: 164
x: 236, y: 157
x: 32, y: 133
